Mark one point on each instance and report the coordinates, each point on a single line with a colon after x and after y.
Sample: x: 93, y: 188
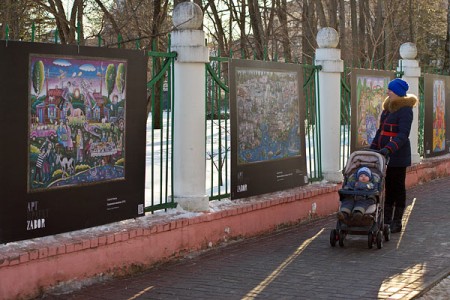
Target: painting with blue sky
x: 76, y: 121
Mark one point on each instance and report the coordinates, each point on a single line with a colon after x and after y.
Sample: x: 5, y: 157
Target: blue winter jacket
x: 395, y: 125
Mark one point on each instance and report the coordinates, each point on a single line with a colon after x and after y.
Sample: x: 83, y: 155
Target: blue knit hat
x: 364, y: 170
x: 399, y: 87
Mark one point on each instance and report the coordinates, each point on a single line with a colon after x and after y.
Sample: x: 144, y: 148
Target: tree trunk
x: 354, y: 20
x: 309, y: 30
x: 242, y: 28
x: 362, y: 30
x: 411, y: 23
x: 369, y: 33
x: 378, y: 36
x: 332, y: 12
x: 447, y: 42
x: 282, y: 16
x: 176, y: 2
x: 256, y: 24
x: 321, y: 14
x: 342, y: 33
x: 268, y: 32
x: 220, y: 37
x: 108, y: 16
x: 159, y: 14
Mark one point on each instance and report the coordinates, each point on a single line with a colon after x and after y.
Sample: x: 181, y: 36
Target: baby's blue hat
x: 364, y: 170
x: 399, y: 87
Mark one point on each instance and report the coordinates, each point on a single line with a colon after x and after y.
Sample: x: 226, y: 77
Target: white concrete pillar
x: 329, y: 93
x: 411, y: 70
x: 189, y: 155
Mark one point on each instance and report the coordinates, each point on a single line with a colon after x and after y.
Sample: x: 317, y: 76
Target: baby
x: 356, y: 205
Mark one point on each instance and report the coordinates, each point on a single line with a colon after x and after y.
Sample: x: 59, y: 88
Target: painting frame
x: 27, y: 213
x: 369, y: 90
x: 267, y: 123
x: 95, y: 152
x: 437, y: 115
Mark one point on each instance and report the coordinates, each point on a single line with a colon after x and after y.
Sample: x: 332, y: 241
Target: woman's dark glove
x: 385, y: 152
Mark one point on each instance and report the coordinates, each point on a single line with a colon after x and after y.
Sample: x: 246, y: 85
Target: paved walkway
x: 299, y: 263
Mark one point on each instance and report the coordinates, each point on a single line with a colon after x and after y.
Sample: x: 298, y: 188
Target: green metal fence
x: 218, y: 142
x: 345, y: 123
x: 159, y: 176
x: 312, y: 122
x: 218, y: 145
x: 421, y: 116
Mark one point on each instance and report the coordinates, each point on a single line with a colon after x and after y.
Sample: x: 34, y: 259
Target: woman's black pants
x: 395, y: 193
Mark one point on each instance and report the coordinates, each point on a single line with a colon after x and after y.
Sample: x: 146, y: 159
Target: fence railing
x: 218, y: 126
x: 159, y: 155
x: 345, y: 123
x: 159, y: 176
x: 421, y: 116
x: 312, y: 122
x: 218, y: 142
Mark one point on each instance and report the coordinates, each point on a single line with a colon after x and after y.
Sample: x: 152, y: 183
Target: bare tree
x: 342, y: 28
x: 321, y: 14
x: 362, y: 29
x: 332, y: 12
x: 371, y: 32
x: 378, y: 33
x: 447, y: 42
x: 256, y: 25
x: 355, y: 37
x: 282, y: 16
x: 219, y: 33
x: 68, y: 26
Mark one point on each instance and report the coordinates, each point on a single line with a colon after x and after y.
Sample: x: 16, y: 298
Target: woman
x: 392, y: 139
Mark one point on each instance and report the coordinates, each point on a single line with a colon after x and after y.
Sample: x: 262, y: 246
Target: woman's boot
x: 388, y: 214
x: 396, y: 225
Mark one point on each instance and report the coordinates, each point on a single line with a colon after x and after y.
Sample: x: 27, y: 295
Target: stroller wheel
x: 333, y: 237
x: 387, y: 232
x: 341, y: 239
x: 370, y: 240
x: 379, y: 239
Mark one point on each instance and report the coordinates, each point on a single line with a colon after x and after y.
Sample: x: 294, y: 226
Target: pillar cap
x: 187, y: 15
x: 408, y: 51
x: 327, y: 37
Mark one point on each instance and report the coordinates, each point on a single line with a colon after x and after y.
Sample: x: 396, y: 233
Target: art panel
x: 73, y: 136
x: 76, y: 121
x: 436, y: 135
x: 267, y: 109
x: 369, y: 89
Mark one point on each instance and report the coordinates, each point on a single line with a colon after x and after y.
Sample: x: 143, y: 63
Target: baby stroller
x: 372, y: 222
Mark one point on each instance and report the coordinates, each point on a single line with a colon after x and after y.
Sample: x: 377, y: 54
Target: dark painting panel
x: 267, y: 121
x: 73, y: 154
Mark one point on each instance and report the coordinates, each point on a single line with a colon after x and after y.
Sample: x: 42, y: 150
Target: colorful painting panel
x: 268, y: 149
x: 76, y: 121
x: 268, y: 128
x: 436, y: 135
x: 368, y: 93
x: 69, y: 161
x: 438, y: 116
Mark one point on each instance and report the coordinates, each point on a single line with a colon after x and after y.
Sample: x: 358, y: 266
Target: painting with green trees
x: 76, y: 121
x: 367, y: 103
